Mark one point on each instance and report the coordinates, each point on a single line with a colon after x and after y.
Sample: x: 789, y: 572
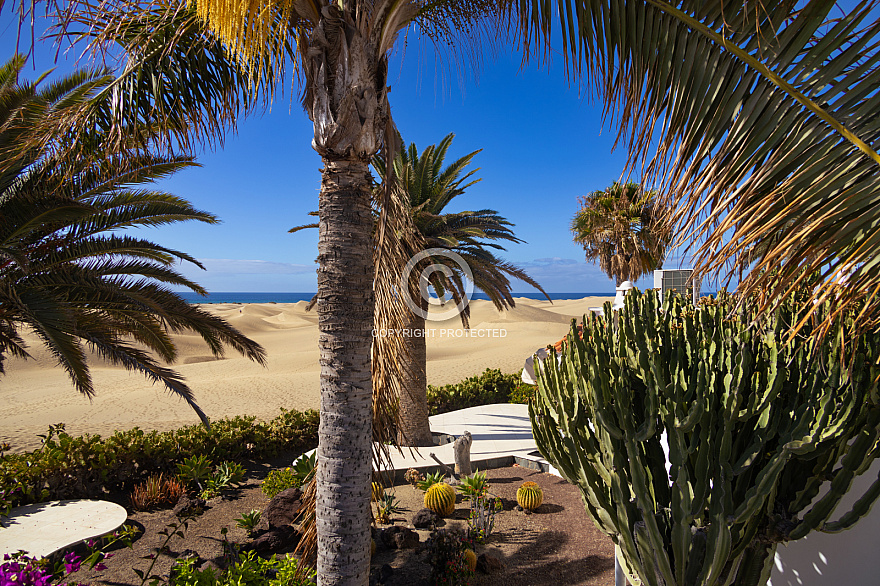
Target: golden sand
x: 36, y: 393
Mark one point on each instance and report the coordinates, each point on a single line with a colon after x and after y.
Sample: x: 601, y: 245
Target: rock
x: 398, y: 537
x: 209, y: 565
x: 385, y: 572
x: 425, y: 519
x: 282, y: 510
x: 278, y: 540
x: 188, y: 506
x: 488, y: 563
x: 189, y: 554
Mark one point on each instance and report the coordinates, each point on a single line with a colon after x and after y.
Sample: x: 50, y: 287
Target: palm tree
x: 761, y: 111
x: 65, y: 271
x: 471, y: 235
x: 622, y: 227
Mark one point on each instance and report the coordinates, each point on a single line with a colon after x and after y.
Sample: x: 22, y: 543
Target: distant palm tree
x: 65, y: 271
x: 621, y: 227
x: 430, y: 187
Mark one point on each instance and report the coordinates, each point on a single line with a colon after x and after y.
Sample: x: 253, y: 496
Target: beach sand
x: 36, y: 393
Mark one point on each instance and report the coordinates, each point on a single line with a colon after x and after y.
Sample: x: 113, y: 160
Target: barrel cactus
x: 764, y: 432
x: 440, y: 498
x: 470, y: 560
x: 530, y: 496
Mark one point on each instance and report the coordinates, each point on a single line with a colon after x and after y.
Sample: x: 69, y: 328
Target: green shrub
x: 85, y: 466
x: 251, y: 570
x: 292, y: 477
x: 490, y: 387
x: 522, y: 393
x: 277, y: 481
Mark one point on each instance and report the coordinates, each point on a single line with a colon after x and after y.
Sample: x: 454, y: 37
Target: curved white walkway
x: 44, y: 528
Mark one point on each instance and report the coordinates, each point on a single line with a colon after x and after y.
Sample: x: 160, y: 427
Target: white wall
x: 850, y: 557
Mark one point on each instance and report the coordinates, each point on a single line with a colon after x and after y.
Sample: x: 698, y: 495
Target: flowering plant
x: 446, y: 548
x: 19, y: 569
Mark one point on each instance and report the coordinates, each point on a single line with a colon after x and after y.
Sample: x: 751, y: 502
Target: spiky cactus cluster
x: 440, y: 498
x: 529, y: 496
x: 756, y: 423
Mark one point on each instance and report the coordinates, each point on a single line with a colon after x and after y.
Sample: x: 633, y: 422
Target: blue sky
x: 543, y: 145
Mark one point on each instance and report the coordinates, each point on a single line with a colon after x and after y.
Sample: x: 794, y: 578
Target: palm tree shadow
x: 508, y: 480
x: 537, y: 557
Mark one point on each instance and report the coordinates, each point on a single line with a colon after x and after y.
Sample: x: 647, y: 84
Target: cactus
x: 440, y: 498
x: 529, y: 495
x: 470, y: 560
x: 756, y: 422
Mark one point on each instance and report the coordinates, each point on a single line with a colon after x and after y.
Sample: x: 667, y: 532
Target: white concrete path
x: 501, y: 433
x: 44, y: 528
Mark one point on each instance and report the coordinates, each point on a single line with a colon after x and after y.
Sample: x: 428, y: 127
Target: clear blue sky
x: 543, y: 145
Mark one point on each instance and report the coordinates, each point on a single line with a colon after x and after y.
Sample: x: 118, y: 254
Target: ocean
x: 243, y: 297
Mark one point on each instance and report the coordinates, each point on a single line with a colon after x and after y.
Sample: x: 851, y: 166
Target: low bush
x: 249, y: 570
x: 490, y: 387
x: 87, y: 466
x: 292, y: 477
x: 278, y: 481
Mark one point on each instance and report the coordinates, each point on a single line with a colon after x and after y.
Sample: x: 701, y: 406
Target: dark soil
x: 556, y: 545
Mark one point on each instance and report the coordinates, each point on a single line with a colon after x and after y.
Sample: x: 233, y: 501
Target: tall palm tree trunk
x: 346, y: 99
x: 345, y: 315
x: 414, y: 429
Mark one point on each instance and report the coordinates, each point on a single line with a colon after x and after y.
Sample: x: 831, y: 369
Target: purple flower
x: 100, y: 567
x: 71, y: 562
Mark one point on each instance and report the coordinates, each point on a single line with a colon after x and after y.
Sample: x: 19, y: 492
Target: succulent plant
x: 530, y: 496
x: 249, y: 521
x: 474, y: 485
x: 764, y: 432
x: 156, y: 491
x: 387, y: 506
x: 470, y: 560
x: 431, y: 480
x: 440, y: 498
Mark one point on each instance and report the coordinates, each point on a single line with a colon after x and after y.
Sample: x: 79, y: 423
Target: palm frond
x: 751, y: 115
x: 61, y: 274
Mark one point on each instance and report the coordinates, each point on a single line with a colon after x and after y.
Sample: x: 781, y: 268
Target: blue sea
x: 242, y: 297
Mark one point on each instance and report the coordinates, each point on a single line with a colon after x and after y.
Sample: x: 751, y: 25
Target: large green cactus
x: 755, y: 425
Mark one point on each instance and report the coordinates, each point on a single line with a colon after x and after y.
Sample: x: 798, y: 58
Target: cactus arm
x: 717, y: 546
x: 861, y: 508
x: 648, y: 509
x: 756, y: 566
x: 682, y: 495
x: 858, y: 451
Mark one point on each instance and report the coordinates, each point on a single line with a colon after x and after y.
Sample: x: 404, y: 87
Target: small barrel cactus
x: 377, y: 494
x: 470, y: 560
x: 530, y: 496
x: 440, y: 498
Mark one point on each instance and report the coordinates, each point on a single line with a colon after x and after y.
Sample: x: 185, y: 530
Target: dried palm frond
x: 758, y: 121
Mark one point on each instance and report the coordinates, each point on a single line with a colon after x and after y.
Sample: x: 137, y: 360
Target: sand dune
x: 36, y: 393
